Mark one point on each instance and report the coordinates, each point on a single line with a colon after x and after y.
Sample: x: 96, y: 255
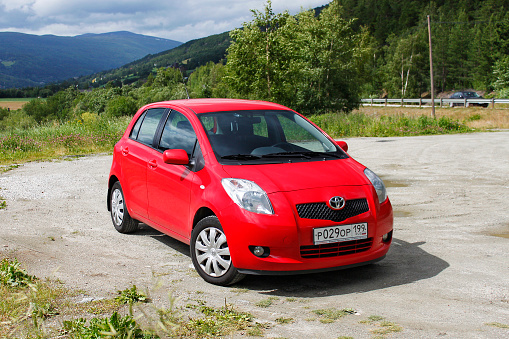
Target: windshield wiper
x: 240, y: 157
x: 306, y: 155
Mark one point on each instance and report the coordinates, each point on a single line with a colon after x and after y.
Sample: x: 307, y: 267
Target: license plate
x: 340, y: 233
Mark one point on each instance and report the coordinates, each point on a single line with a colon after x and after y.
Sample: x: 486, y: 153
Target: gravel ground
x: 446, y: 275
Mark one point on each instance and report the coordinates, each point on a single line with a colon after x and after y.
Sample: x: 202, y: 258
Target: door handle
x: 152, y: 164
x: 125, y: 151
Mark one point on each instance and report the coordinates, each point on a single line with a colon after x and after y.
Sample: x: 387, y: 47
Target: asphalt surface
x: 446, y: 275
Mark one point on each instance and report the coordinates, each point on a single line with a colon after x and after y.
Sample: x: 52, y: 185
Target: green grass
x: 498, y: 325
x: 362, y: 125
x: 54, y: 140
x: 15, y: 99
x: 330, y: 315
x: 266, y: 302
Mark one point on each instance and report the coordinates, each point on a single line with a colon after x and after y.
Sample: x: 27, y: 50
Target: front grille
x: 320, y: 210
x: 336, y: 249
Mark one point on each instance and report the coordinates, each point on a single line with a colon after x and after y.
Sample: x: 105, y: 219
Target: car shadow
x: 405, y: 263
x: 148, y: 231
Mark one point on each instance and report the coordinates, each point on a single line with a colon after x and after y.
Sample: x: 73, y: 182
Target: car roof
x: 219, y: 105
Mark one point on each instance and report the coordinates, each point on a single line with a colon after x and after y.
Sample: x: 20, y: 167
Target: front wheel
x: 119, y: 214
x: 211, y: 255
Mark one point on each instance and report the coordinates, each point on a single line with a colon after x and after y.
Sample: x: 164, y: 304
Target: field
x: 13, y: 104
x: 473, y: 117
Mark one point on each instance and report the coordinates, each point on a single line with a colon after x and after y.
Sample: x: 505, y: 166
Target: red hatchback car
x: 252, y: 186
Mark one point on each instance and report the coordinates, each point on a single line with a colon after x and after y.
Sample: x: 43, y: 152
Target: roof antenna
x: 184, y: 80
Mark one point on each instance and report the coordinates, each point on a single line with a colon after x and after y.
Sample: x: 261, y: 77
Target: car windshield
x: 471, y: 94
x: 262, y: 136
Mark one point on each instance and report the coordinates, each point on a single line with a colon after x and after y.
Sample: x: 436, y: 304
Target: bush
x: 121, y: 106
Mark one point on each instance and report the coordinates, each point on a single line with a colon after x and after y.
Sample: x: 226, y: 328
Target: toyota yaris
x: 253, y: 187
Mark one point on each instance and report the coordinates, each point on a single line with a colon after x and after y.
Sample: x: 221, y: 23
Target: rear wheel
x: 119, y: 214
x: 211, y: 255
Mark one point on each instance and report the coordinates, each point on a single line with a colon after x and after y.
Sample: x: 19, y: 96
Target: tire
x: 119, y: 215
x: 211, y: 255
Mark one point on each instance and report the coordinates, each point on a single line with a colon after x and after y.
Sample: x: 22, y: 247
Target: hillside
x: 32, y: 60
x: 191, y: 55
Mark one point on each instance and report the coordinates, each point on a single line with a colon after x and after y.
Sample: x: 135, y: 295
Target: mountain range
x: 33, y: 60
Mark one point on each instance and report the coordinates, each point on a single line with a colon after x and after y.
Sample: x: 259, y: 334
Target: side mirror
x: 343, y: 145
x: 175, y: 157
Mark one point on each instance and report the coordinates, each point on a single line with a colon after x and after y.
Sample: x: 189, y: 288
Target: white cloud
x: 177, y: 20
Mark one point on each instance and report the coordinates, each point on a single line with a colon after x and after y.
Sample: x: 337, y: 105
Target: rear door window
x: 146, y: 127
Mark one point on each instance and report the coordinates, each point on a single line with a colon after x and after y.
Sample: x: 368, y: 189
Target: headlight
x: 248, y: 195
x: 381, y: 192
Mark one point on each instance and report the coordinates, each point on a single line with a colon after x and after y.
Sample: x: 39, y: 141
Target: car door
x: 135, y: 154
x: 169, y: 186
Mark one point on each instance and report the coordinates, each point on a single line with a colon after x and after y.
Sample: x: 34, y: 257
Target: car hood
x: 288, y: 177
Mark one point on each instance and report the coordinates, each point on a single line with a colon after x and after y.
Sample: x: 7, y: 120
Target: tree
x: 306, y: 62
x: 260, y: 54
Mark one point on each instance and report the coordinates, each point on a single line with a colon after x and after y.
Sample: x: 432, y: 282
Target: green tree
x: 207, y: 81
x: 120, y: 106
x: 259, y: 58
x: 306, y: 62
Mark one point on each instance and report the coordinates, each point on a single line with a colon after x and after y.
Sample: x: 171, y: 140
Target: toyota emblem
x: 337, y: 203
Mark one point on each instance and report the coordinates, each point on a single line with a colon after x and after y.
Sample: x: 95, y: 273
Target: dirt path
x: 447, y: 273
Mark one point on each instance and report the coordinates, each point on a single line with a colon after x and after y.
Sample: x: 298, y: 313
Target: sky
x: 181, y: 20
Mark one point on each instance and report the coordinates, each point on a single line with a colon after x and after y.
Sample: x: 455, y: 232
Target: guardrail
x: 438, y: 102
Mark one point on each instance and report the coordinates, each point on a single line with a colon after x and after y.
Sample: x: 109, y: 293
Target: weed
x: 499, y: 325
x: 330, y: 315
x: 219, y: 321
x: 371, y: 319
x: 387, y: 327
x: 359, y: 124
x: 10, y: 167
x: 474, y: 117
x: 103, y: 306
x: 3, y: 203
x: 266, y: 302
x: 130, y: 296
x: 343, y: 337
x: 239, y: 290
x: 114, y: 326
x: 257, y: 330
x: 384, y: 326
x: 283, y: 320
x: 291, y: 299
x: 11, y: 274
x: 23, y: 309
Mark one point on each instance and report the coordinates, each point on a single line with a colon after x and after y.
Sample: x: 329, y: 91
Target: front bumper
x: 286, y: 234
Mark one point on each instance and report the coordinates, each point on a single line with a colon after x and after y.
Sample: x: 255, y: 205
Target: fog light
x: 260, y: 251
x: 387, y: 237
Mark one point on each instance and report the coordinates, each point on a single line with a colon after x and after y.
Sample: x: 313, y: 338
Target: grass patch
x: 330, y: 315
x: 54, y: 140
x: 266, y: 302
x: 114, y: 326
x: 362, y: 125
x: 26, y: 301
x: 283, y: 320
x: 498, y: 325
x: 386, y: 327
x: 131, y: 296
x: 383, y: 327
